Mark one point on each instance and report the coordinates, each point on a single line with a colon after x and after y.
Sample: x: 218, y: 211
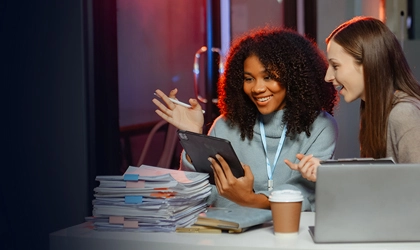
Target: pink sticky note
x: 131, y: 224
x: 156, y: 171
x: 134, y: 184
x: 116, y: 220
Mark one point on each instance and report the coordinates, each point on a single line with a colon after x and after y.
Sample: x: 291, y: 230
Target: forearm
x: 257, y: 201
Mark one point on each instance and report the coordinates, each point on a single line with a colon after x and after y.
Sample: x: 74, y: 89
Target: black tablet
x: 199, y: 147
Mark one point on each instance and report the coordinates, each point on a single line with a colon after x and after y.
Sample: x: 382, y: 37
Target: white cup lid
x: 286, y: 196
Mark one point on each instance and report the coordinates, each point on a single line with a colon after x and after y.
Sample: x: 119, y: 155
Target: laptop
x: 367, y: 203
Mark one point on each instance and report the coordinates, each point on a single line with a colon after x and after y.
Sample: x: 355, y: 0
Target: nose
x: 259, y: 87
x: 329, y: 76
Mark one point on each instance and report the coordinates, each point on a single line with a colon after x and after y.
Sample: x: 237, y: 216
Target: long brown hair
x: 385, y: 70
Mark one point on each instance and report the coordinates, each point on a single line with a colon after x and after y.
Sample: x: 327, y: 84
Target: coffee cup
x: 286, y: 207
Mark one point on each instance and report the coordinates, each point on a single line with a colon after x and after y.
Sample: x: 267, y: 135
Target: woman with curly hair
x: 366, y: 61
x: 274, y: 103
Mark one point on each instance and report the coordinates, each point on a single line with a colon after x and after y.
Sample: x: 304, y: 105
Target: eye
x: 267, y: 78
x: 248, y: 79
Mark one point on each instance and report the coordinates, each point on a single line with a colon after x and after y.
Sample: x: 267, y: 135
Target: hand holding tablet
x: 200, y: 147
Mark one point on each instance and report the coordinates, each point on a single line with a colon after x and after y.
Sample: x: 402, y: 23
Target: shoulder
x: 324, y: 126
x: 405, y: 108
x: 326, y: 120
x: 220, y: 127
x: 403, y: 101
x: 405, y: 115
x: 220, y: 122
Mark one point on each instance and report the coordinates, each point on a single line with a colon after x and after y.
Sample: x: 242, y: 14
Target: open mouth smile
x: 339, y: 87
x: 263, y: 99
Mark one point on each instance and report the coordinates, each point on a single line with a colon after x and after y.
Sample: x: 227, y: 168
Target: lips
x: 263, y: 99
x: 339, y: 87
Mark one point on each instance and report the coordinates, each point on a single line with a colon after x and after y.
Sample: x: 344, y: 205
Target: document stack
x: 148, y: 198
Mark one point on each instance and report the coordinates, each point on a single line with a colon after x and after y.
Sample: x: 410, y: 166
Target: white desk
x: 81, y: 237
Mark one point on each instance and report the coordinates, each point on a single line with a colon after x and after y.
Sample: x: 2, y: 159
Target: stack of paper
x: 149, y: 198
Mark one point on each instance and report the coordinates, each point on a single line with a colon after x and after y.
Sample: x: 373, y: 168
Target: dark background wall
x: 44, y: 172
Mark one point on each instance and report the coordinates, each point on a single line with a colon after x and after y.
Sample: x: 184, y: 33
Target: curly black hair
x: 292, y: 60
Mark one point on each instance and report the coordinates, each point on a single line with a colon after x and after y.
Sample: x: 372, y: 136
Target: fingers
x: 238, y: 190
x: 222, y: 171
x: 162, y: 108
x: 169, y: 101
x: 248, y: 173
x: 217, y: 173
x: 313, y: 177
x: 164, y: 116
x: 303, y: 160
x: 291, y: 165
x: 299, y: 156
x: 307, y: 166
x: 304, y: 163
x: 194, y: 104
x: 173, y: 93
x: 247, y: 169
x: 307, y: 172
x: 169, y: 104
x: 310, y: 173
x: 164, y: 112
x: 224, y: 165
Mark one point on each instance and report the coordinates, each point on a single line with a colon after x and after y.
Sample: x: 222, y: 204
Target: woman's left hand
x: 307, y: 166
x: 239, y: 190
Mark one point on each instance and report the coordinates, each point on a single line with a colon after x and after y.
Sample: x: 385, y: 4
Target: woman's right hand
x: 191, y: 119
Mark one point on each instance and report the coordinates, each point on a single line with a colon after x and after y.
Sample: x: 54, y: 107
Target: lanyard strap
x: 270, y: 170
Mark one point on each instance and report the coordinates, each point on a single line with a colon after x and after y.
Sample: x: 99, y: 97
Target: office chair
x: 170, y: 143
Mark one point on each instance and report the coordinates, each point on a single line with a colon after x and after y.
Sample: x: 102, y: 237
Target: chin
x: 266, y: 111
x: 348, y: 100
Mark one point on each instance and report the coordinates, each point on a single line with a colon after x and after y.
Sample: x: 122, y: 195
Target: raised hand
x: 183, y: 118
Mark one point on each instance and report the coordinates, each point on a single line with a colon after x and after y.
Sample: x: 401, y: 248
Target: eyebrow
x: 260, y: 72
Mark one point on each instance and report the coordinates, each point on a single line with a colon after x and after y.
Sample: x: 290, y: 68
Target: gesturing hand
x: 183, y: 118
x: 307, y: 166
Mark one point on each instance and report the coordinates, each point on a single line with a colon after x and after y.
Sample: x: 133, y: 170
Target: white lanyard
x: 270, y: 170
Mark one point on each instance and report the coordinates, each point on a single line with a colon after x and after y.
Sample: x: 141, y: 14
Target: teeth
x: 339, y: 87
x: 263, y: 99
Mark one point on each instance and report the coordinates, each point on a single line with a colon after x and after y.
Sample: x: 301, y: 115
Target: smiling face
x: 344, y: 73
x: 266, y: 93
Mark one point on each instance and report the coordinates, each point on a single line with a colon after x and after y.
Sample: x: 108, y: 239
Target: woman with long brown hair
x: 366, y: 61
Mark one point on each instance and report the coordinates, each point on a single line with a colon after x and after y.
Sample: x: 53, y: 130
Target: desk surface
x: 83, y: 237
